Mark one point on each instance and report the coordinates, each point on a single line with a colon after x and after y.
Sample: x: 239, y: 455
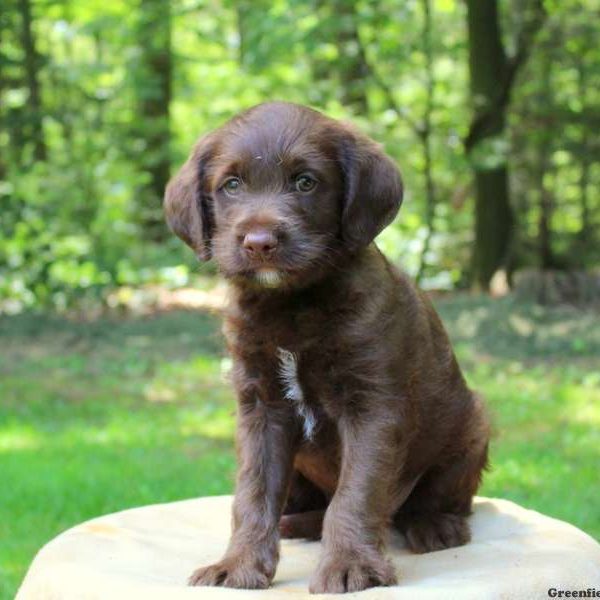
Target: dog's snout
x: 260, y: 243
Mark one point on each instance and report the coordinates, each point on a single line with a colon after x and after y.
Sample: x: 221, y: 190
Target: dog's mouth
x: 291, y: 266
x: 269, y: 277
x: 280, y: 270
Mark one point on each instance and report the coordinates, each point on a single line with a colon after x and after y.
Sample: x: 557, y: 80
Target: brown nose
x: 260, y: 243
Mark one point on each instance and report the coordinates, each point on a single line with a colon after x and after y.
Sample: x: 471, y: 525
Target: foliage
x: 100, y: 416
x: 80, y: 199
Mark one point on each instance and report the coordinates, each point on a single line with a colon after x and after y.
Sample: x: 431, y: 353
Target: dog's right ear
x: 373, y: 188
x: 188, y: 204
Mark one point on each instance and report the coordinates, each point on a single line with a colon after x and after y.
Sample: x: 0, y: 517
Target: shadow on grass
x: 505, y: 328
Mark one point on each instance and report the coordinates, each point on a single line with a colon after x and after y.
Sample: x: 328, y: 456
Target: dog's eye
x: 305, y: 183
x: 232, y: 185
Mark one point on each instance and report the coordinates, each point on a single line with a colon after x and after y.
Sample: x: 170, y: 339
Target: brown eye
x: 305, y: 183
x: 232, y: 185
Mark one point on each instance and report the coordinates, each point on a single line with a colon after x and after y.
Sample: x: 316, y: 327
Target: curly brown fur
x: 350, y: 401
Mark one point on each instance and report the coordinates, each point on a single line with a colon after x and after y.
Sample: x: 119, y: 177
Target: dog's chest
x: 288, y: 374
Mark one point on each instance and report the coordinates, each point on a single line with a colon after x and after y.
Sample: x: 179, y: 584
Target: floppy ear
x: 187, y: 203
x: 372, y: 190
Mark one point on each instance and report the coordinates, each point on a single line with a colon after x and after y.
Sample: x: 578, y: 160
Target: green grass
x: 97, y: 417
x: 539, y: 371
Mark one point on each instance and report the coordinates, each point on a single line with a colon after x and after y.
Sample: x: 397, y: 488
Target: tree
x: 425, y: 132
x: 344, y: 72
x: 87, y: 126
x: 3, y: 86
x: 351, y: 64
x: 544, y: 149
x: 31, y: 63
x: 493, y: 75
x: 421, y: 128
x: 152, y: 83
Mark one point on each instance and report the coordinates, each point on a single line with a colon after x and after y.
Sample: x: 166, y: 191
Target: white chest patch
x: 288, y: 375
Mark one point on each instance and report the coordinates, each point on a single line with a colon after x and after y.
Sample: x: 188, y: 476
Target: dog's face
x: 278, y: 193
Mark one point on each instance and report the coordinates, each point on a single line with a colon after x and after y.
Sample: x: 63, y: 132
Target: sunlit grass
x: 102, y: 416
x: 99, y: 417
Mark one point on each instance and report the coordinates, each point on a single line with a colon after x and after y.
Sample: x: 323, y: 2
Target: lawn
x: 97, y: 417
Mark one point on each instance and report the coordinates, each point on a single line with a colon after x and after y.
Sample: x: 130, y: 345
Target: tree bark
x: 493, y: 214
x: 546, y: 255
x: 153, y: 90
x: 492, y: 77
x: 493, y: 224
x: 31, y: 67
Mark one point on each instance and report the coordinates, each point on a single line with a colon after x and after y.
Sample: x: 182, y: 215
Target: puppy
x: 351, y: 403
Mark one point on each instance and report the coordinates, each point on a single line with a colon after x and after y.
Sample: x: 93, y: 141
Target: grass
x: 97, y: 417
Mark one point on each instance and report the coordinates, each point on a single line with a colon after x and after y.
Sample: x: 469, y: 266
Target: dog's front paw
x: 352, y: 573
x: 233, y: 573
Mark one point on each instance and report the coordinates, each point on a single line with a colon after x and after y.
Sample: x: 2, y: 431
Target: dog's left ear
x: 187, y: 203
x: 372, y: 189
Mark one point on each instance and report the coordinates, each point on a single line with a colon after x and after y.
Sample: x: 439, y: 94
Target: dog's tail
x: 307, y: 525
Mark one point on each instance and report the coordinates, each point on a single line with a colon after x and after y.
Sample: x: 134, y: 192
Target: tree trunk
x: 545, y: 231
x: 338, y: 23
x: 13, y: 118
x: 99, y: 119
x: 153, y: 90
x: 31, y: 67
x: 584, y: 177
x: 493, y: 224
x: 493, y: 214
x: 352, y: 66
x: 3, y: 123
x: 544, y: 150
x: 243, y: 11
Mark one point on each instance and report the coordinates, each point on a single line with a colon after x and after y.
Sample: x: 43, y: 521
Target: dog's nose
x: 260, y: 243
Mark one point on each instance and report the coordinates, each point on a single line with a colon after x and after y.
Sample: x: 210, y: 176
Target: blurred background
x: 113, y: 385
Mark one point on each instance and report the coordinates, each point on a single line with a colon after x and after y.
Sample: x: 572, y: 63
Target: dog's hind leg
x: 434, y: 516
x: 304, y: 511
x: 306, y: 525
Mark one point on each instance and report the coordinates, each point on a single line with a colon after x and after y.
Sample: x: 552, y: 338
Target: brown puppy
x: 349, y: 395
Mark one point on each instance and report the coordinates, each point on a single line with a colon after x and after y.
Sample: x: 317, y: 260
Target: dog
x: 352, y: 415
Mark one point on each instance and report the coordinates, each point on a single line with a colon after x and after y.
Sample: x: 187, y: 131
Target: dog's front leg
x: 265, y: 456
x: 357, y: 518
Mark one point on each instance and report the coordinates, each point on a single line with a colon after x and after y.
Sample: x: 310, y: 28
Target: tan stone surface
x: 147, y: 553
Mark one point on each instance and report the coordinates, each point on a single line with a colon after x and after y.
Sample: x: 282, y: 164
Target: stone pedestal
x: 147, y: 553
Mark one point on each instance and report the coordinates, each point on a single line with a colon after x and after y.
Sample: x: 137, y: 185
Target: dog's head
x: 280, y: 192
